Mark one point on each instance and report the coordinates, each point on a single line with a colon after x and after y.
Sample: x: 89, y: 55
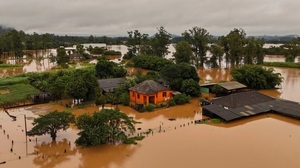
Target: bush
x: 149, y: 107
x: 171, y: 102
x: 181, y: 99
x: 125, y: 99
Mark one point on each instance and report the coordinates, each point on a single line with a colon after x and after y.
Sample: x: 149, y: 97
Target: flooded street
x: 267, y: 140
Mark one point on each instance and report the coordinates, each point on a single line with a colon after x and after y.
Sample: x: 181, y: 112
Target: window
x: 133, y: 94
x: 164, y: 94
x: 138, y: 96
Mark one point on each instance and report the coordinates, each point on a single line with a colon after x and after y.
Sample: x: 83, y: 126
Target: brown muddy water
x: 262, y: 141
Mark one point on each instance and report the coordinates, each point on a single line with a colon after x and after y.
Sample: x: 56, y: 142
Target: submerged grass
x: 282, y: 64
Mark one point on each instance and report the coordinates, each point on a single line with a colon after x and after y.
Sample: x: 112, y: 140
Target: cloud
x: 116, y: 17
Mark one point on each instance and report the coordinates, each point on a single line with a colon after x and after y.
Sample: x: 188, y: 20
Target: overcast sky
x: 116, y: 17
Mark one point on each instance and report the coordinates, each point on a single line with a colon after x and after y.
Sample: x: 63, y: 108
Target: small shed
x: 232, y: 86
x: 42, y: 98
x: 108, y: 85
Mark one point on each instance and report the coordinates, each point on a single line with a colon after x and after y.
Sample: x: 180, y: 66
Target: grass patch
x: 17, y: 93
x: 282, y: 64
x: 13, y: 81
x: 215, y: 121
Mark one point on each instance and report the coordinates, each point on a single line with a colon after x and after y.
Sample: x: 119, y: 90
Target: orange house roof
x: 148, y: 87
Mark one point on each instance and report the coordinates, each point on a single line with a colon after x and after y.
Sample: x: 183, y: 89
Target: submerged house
x: 149, y: 91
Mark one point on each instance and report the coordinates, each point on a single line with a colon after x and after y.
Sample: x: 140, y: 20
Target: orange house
x: 149, y: 91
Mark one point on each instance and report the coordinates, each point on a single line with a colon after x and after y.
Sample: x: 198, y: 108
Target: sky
x: 116, y: 17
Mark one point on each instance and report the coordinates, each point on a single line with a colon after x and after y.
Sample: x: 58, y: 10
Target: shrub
x: 181, y: 99
x: 149, y: 107
x: 171, y: 102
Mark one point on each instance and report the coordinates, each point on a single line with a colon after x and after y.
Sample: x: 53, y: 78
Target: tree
x: 183, y: 52
x: 160, y: 42
x: 108, y: 69
x: 175, y: 74
x: 257, y: 77
x: 253, y: 51
x: 198, y: 38
x: 100, y: 98
x: 236, y: 42
x: 134, y: 42
x: 190, y: 87
x: 217, y: 52
x: 62, y: 58
x: 76, y: 88
x: 51, y: 123
x: 79, y: 49
x: 105, y: 126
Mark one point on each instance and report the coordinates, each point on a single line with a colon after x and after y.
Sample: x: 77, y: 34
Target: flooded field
x: 262, y: 141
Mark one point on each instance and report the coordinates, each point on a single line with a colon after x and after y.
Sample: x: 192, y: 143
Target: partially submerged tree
x: 105, y: 126
x: 51, y: 123
x: 183, y: 52
x: 257, y: 77
x: 198, y: 38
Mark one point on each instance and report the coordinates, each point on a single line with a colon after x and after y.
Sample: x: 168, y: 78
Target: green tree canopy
x: 198, y: 38
x: 177, y: 73
x: 108, y: 69
x: 257, y: 77
x: 105, y: 126
x: 183, y: 52
x: 51, y: 123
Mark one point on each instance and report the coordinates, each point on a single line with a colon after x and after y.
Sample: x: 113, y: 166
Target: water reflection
x: 106, y: 155
x: 53, y: 153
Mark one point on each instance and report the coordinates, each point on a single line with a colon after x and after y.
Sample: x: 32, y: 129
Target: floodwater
x: 262, y: 141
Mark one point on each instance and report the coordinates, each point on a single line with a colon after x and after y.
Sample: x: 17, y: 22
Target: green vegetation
x: 215, y: 121
x: 13, y: 80
x: 105, y: 126
x: 17, y: 93
x: 256, y: 77
x: 51, y: 123
x: 181, y: 99
x: 198, y: 38
x: 149, y: 107
x: 182, y: 77
x: 150, y: 62
x: 282, y: 64
x: 133, y: 140
x: 112, y: 52
x: 107, y: 69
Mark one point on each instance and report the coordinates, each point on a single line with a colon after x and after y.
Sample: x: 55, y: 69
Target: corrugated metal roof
x: 232, y: 85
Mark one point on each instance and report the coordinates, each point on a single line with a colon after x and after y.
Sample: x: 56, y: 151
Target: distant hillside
x: 4, y: 29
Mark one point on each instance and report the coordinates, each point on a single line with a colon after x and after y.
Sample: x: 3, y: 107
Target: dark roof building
x: 110, y: 84
x: 245, y: 104
x: 148, y: 87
